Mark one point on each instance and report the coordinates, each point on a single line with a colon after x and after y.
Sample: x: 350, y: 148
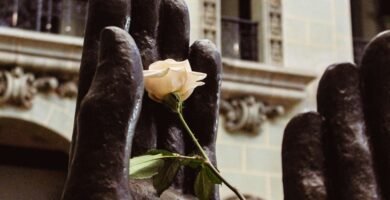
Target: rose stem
x: 204, y: 155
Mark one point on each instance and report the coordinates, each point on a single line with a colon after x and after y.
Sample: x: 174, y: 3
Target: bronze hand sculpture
x: 114, y: 120
x: 343, y: 151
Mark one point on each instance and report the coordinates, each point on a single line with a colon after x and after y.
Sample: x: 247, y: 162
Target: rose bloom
x: 170, y: 76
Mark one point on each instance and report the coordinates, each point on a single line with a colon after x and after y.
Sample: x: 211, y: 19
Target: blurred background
x: 273, y: 52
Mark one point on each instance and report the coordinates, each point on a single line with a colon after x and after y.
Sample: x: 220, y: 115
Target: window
x: 54, y: 16
x: 252, y: 30
x: 368, y: 19
x: 240, y: 33
x: 31, y: 173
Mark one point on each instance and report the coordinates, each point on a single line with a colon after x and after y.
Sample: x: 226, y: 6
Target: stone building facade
x: 273, y: 54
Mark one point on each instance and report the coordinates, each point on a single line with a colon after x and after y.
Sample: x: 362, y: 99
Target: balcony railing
x: 240, y: 39
x: 54, y: 16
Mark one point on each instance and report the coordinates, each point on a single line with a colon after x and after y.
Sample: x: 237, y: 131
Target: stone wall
x: 316, y: 34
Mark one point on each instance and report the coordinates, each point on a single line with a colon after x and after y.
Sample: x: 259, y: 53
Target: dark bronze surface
x: 106, y: 121
x: 355, y: 104
x: 349, y: 158
x: 110, y: 99
x: 375, y: 85
x: 203, y: 117
x: 303, y: 159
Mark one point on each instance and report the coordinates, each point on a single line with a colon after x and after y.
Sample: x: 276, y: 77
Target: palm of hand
x: 343, y: 151
x: 111, y: 90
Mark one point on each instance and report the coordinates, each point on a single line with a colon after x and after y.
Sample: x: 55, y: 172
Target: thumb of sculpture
x: 106, y: 122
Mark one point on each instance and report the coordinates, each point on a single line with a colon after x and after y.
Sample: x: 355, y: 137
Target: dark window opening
x: 368, y: 19
x: 239, y: 31
x: 53, y: 16
x: 33, y: 174
x: 33, y: 158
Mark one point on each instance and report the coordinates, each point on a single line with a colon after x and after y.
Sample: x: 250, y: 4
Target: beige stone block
x: 230, y: 156
x: 246, y: 183
x: 276, y: 187
x: 264, y: 160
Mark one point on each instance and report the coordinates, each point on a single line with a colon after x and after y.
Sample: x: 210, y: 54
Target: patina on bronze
x: 349, y: 159
x: 375, y: 85
x: 303, y: 158
x: 355, y: 104
x: 107, y: 126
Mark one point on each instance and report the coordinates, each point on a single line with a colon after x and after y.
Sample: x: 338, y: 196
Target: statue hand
x: 344, y: 151
x: 161, y: 31
x: 109, y: 91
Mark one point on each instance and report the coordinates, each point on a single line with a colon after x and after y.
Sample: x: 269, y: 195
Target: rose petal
x: 184, y: 94
x: 168, y: 76
x: 192, y: 78
x: 161, y: 86
x: 155, y: 73
x: 161, y: 64
x: 154, y: 98
x: 196, y: 76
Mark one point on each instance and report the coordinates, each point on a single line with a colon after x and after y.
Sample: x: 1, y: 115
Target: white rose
x: 170, y: 76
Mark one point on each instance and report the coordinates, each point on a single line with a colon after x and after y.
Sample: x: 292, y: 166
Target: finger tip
x: 339, y: 71
x: 179, y: 6
x: 174, y: 30
x: 113, y: 34
x: 338, y: 81
x: 204, y: 43
x: 205, y: 57
x: 376, y: 57
x: 116, y: 42
x: 119, y: 51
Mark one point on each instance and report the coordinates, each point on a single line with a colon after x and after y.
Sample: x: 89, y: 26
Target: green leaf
x: 164, y: 179
x: 212, y: 177
x: 160, y: 151
x: 205, y: 182
x: 163, y: 166
x: 146, y: 166
x: 193, y: 163
x: 203, y: 185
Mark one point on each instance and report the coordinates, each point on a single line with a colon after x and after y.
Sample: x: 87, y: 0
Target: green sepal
x: 173, y: 102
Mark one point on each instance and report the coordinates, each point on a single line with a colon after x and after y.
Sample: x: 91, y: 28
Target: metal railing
x: 54, y: 16
x: 240, y: 39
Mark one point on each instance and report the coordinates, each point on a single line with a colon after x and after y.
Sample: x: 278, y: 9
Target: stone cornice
x: 273, y: 85
x: 40, y: 51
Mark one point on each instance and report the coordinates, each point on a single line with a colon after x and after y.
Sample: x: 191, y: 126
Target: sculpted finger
x: 349, y: 158
x: 173, y: 37
x: 202, y: 108
x: 106, y: 122
x: 375, y: 84
x: 145, y: 16
x: 303, y: 159
x: 101, y: 13
x: 174, y: 30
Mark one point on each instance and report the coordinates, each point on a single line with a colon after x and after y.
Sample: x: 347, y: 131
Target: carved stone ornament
x: 247, y: 114
x: 19, y: 88
x: 275, y: 32
x: 210, y: 20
